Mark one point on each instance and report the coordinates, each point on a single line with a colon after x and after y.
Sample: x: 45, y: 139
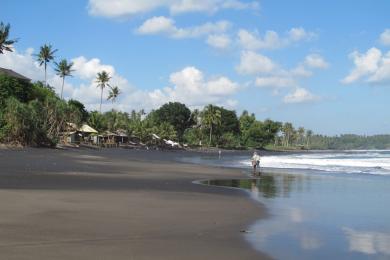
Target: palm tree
x: 102, y: 79
x: 5, y: 44
x: 288, y: 131
x: 63, y: 69
x: 211, y: 116
x: 309, y: 134
x: 45, y: 55
x: 114, y: 93
x: 301, y: 134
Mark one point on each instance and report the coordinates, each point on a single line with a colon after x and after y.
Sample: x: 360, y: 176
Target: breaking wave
x: 371, y: 162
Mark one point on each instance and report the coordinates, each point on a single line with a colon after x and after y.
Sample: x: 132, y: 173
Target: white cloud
x: 188, y: 86
x: 25, y: 64
x: 186, y: 6
x: 252, y: 41
x: 271, y: 39
x: 275, y: 82
x: 270, y: 75
x: 382, y: 74
x: 166, y: 26
x: 87, y: 69
x: 316, y: 61
x: 299, y: 71
x: 85, y: 72
x: 219, y: 41
x: 367, y: 242
x: 373, y: 66
x: 299, y: 34
x: 385, y: 37
x: 157, y: 25
x: 254, y: 63
x: 121, y: 8
x: 300, y: 95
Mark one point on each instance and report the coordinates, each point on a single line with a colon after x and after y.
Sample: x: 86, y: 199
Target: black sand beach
x: 118, y: 204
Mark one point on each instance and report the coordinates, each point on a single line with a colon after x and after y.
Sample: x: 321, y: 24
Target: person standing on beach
x: 255, y: 162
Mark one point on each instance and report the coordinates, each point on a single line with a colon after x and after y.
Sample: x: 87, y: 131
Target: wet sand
x: 119, y: 204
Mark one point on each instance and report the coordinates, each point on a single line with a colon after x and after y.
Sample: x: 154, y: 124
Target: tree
x: 10, y: 86
x: 113, y: 94
x: 309, y: 134
x: 229, y: 121
x: 301, y: 135
x: 5, y: 43
x: 176, y: 114
x: 97, y: 121
x: 63, y: 69
x: 246, y: 121
x: 45, y: 55
x: 257, y: 136
x: 102, y: 80
x: 288, y: 132
x: 271, y: 129
x: 165, y: 131
x: 211, y: 116
x: 81, y: 108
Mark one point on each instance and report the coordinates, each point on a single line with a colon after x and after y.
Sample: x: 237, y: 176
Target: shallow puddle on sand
x: 319, y: 216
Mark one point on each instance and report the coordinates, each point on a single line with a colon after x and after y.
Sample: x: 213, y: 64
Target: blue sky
x: 323, y: 65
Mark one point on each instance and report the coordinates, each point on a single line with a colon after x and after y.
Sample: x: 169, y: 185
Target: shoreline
x: 120, y: 203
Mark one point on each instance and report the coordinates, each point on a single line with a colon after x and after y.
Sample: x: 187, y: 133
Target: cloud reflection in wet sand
x: 368, y: 242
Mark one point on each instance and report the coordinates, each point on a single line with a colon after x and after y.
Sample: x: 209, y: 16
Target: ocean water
x: 375, y: 162
x: 325, y: 205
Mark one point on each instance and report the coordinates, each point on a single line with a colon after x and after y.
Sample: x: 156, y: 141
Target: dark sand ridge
x: 118, y: 204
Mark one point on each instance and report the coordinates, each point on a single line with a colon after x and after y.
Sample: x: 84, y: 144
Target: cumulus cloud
x: 87, y: 69
x: 271, y: 39
x: 252, y: 63
x: 25, y: 63
x: 122, y: 8
x: 219, y: 41
x: 166, y: 26
x: 299, y: 71
x: 85, y: 72
x: 316, y: 61
x: 385, y: 37
x: 272, y: 76
x: 275, y: 82
x: 300, y: 95
x: 373, y: 66
x: 189, y: 85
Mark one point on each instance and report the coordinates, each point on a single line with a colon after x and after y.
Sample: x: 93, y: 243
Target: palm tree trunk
x: 211, y: 131
x: 62, y: 89
x: 101, y: 100
x: 45, y: 76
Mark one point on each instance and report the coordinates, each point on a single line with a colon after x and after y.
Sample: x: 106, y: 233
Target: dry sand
x: 118, y: 204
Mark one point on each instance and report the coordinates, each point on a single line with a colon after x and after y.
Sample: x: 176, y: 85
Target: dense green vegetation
x: 349, y: 141
x: 33, y: 114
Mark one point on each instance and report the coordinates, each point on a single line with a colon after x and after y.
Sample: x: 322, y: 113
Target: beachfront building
x: 121, y: 136
x: 84, y: 134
